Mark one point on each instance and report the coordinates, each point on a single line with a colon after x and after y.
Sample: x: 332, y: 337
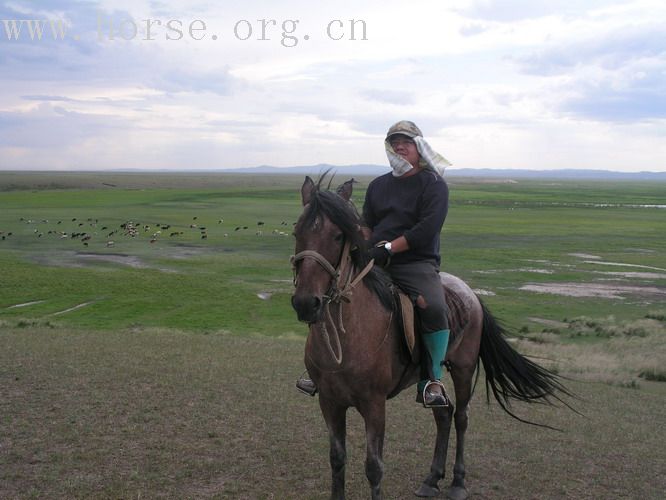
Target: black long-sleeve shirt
x: 414, y: 207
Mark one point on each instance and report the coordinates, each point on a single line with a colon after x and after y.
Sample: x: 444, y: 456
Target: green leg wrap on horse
x: 437, y: 343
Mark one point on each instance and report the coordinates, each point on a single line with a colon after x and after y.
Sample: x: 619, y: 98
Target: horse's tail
x: 509, y: 375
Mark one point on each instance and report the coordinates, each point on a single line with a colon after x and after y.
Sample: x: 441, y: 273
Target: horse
x: 355, y: 350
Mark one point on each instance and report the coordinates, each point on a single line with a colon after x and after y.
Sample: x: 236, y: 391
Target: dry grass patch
x: 166, y: 414
x: 604, y: 350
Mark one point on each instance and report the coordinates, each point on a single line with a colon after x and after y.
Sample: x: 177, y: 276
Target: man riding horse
x: 404, y: 211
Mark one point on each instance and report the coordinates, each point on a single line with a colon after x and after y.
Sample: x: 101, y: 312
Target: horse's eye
x: 338, y: 237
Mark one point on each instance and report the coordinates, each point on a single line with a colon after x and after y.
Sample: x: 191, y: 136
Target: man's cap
x: 404, y: 127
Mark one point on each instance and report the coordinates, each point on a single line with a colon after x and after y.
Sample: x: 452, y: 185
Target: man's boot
x: 306, y: 386
x: 431, y: 392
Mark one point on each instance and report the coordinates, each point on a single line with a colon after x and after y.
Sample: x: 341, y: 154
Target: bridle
x: 335, y: 293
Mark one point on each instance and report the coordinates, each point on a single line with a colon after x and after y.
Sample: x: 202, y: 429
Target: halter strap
x: 336, y: 293
x: 319, y: 258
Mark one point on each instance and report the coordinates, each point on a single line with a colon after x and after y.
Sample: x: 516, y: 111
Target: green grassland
x: 498, y: 237
x: 128, y: 370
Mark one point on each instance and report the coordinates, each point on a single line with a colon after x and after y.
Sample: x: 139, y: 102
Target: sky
x: 198, y: 85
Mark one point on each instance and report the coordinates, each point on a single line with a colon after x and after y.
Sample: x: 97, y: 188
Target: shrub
x: 658, y: 315
x: 629, y: 384
x: 635, y: 331
x: 653, y: 374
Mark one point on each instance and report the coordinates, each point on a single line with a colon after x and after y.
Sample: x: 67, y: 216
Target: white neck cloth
x: 430, y: 159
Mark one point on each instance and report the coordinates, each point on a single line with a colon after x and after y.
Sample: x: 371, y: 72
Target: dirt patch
x: 549, y: 322
x: 26, y: 304
x: 602, y: 290
x: 634, y: 275
x: 621, y: 264
x: 78, y: 306
x: 533, y: 270
x: 517, y: 270
x: 82, y: 259
x: 186, y: 251
x: 116, y: 258
x: 584, y: 256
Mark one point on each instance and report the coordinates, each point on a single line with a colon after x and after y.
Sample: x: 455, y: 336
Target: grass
x: 603, y: 349
x: 146, y: 389
x: 498, y: 237
x: 208, y: 284
x: 155, y: 413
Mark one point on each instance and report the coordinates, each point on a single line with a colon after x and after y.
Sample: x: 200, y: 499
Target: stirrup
x: 306, y: 386
x: 439, y: 401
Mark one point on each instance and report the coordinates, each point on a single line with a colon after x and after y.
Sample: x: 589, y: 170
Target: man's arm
x: 399, y: 245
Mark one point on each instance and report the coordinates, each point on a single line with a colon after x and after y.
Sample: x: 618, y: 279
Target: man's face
x: 405, y: 147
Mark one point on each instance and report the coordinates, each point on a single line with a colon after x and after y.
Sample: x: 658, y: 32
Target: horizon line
x: 319, y: 165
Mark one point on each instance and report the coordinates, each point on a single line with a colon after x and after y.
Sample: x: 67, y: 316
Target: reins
x: 336, y: 294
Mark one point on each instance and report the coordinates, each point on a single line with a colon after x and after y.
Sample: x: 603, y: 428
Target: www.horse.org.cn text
x: 287, y: 32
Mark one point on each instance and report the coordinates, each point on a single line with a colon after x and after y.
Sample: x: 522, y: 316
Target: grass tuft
x: 658, y: 315
x: 30, y: 323
x: 609, y: 327
x: 653, y: 374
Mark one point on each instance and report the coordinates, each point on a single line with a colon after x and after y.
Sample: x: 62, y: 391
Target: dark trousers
x: 422, y: 279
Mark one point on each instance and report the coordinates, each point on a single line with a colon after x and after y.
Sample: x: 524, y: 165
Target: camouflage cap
x: 404, y: 127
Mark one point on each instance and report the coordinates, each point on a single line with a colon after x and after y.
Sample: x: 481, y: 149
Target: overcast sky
x: 493, y: 84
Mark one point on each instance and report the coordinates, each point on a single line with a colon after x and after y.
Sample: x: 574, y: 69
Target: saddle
x: 458, y: 315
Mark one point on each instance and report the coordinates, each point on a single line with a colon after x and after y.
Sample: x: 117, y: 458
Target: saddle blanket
x: 458, y: 315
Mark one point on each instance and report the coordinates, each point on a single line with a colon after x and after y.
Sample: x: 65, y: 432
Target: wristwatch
x: 387, y: 246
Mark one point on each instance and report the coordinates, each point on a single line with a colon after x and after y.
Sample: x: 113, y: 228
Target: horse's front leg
x: 429, y: 487
x: 458, y: 490
x: 336, y: 421
x: 374, y: 415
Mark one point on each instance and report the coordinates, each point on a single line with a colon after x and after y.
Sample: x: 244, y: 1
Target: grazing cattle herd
x: 91, y: 230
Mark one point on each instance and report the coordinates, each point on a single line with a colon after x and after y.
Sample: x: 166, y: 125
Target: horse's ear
x: 307, y: 189
x: 345, y: 190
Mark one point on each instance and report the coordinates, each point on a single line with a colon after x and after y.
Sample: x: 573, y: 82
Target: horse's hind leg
x: 374, y: 415
x: 429, y: 487
x: 336, y: 421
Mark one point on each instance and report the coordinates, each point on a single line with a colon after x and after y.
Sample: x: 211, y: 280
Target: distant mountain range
x: 374, y: 170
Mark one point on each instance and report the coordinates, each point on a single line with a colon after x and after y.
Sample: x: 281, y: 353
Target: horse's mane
x: 343, y: 214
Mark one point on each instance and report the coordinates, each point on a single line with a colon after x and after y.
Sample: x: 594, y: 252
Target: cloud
x: 472, y: 29
x: 619, y: 75
x: 397, y: 97
x: 610, y: 50
x: 218, y: 82
x: 630, y: 96
x: 48, y: 98
x: 507, y: 11
x: 54, y: 58
x: 49, y: 126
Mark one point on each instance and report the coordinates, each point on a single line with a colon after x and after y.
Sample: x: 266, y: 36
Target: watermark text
x: 287, y: 32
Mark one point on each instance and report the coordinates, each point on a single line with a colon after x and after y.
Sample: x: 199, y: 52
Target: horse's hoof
x: 427, y: 491
x: 457, y: 493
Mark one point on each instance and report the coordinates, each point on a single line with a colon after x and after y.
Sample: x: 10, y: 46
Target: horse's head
x: 327, y: 223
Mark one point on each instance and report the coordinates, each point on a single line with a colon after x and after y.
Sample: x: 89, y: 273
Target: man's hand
x: 380, y: 254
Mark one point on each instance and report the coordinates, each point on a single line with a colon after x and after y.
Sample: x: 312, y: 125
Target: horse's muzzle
x: 308, y: 307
